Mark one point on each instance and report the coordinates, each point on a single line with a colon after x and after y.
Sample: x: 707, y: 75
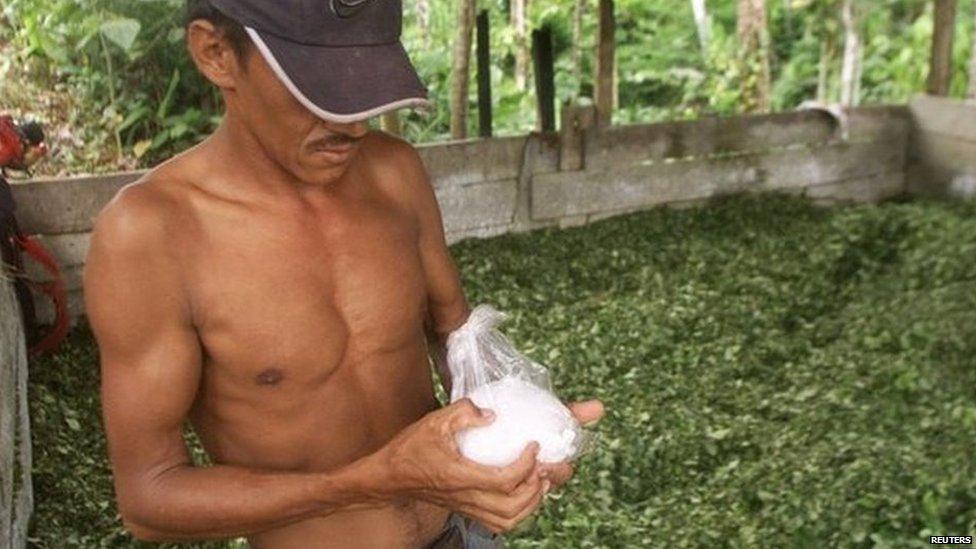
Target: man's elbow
x: 450, y: 317
x: 138, y: 519
x: 143, y: 533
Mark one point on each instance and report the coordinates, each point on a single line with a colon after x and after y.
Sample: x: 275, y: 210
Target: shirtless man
x: 279, y: 286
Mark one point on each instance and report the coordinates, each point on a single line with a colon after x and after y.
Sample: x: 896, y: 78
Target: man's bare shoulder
x: 392, y: 154
x: 400, y: 171
x: 141, y: 214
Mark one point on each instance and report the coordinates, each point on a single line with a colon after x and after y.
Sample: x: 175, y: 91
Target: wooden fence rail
x: 16, y: 492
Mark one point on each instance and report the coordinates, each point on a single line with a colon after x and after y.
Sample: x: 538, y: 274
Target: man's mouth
x: 335, y: 146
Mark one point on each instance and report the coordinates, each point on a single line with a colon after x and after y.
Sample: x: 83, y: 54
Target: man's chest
x: 278, y: 292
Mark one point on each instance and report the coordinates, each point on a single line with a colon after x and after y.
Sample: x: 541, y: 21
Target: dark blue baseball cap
x: 341, y: 59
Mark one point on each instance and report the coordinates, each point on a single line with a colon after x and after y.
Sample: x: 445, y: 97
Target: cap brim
x: 344, y: 84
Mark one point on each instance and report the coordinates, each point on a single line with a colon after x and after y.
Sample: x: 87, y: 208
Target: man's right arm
x: 151, y: 364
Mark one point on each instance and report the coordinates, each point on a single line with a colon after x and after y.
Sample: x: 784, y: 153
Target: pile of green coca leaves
x: 775, y: 373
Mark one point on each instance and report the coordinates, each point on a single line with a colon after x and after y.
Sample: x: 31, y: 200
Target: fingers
x: 517, y: 473
x: 588, y: 412
x: 465, y: 415
x: 530, y: 507
x: 500, y: 479
x: 503, y: 513
x: 557, y: 473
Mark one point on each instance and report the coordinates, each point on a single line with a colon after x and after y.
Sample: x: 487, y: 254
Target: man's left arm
x: 447, y: 307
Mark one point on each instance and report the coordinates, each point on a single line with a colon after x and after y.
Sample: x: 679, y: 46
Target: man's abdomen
x: 402, y: 525
x: 303, y: 428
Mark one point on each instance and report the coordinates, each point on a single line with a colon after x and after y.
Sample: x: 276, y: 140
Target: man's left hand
x: 587, y: 413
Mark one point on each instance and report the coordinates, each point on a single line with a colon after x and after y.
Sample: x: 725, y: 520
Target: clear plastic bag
x: 486, y: 368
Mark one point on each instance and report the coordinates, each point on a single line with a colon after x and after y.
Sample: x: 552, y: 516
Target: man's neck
x: 243, y: 155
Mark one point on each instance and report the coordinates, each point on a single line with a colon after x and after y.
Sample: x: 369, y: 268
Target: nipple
x: 271, y: 376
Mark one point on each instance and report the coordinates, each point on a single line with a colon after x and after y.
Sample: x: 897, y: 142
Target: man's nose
x: 354, y: 130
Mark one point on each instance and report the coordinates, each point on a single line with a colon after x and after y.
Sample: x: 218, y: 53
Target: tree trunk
x: 940, y: 65
x: 823, y: 71
x: 578, y: 44
x: 754, y: 54
x: 423, y: 20
x: 850, y: 70
x: 460, y: 69
x: 703, y: 24
x: 972, y: 67
x: 523, y: 54
x: 605, y: 65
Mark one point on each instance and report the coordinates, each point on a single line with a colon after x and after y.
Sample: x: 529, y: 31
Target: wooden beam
x: 940, y: 64
x: 605, y: 65
x: 545, y: 86
x: 575, y: 121
x: 484, y: 76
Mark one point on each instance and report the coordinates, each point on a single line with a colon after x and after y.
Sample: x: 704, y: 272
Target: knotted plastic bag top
x: 478, y: 354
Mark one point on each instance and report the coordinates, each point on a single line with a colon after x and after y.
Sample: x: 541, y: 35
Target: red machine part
x: 11, y: 144
x: 13, y: 154
x: 53, y: 289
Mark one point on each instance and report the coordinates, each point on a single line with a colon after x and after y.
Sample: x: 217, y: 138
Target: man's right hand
x: 423, y: 462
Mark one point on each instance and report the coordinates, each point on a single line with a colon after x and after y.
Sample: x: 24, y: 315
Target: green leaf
x: 142, y: 147
x: 167, y: 101
x: 161, y: 139
x: 122, y: 32
x: 133, y: 117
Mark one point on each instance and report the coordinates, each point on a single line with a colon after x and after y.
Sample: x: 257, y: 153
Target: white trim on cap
x: 319, y: 111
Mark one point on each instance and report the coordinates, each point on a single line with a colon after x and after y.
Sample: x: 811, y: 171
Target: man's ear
x: 213, y: 55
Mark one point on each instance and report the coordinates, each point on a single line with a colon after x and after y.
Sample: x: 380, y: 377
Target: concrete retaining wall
x: 494, y: 186
x: 942, y: 153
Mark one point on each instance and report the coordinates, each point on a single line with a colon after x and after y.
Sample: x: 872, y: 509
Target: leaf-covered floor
x: 776, y: 374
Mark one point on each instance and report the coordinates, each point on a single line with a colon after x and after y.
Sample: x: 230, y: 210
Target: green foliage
x: 776, y: 375
x: 128, y: 91
x: 113, y: 76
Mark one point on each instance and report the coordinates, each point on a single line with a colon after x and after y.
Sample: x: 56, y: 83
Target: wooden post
x: 604, y: 65
x: 545, y: 87
x: 575, y: 121
x: 390, y: 123
x: 940, y: 65
x: 484, y: 76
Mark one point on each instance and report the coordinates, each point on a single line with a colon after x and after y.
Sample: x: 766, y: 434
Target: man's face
x: 312, y: 150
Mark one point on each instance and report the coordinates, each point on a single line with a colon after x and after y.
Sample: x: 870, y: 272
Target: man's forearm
x: 437, y: 342
x: 189, y: 502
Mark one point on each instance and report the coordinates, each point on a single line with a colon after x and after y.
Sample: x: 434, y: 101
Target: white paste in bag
x: 486, y: 368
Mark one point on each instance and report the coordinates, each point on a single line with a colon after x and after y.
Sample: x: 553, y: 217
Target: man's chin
x: 323, y: 174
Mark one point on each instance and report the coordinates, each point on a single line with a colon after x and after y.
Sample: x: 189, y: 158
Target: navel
x: 271, y: 376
